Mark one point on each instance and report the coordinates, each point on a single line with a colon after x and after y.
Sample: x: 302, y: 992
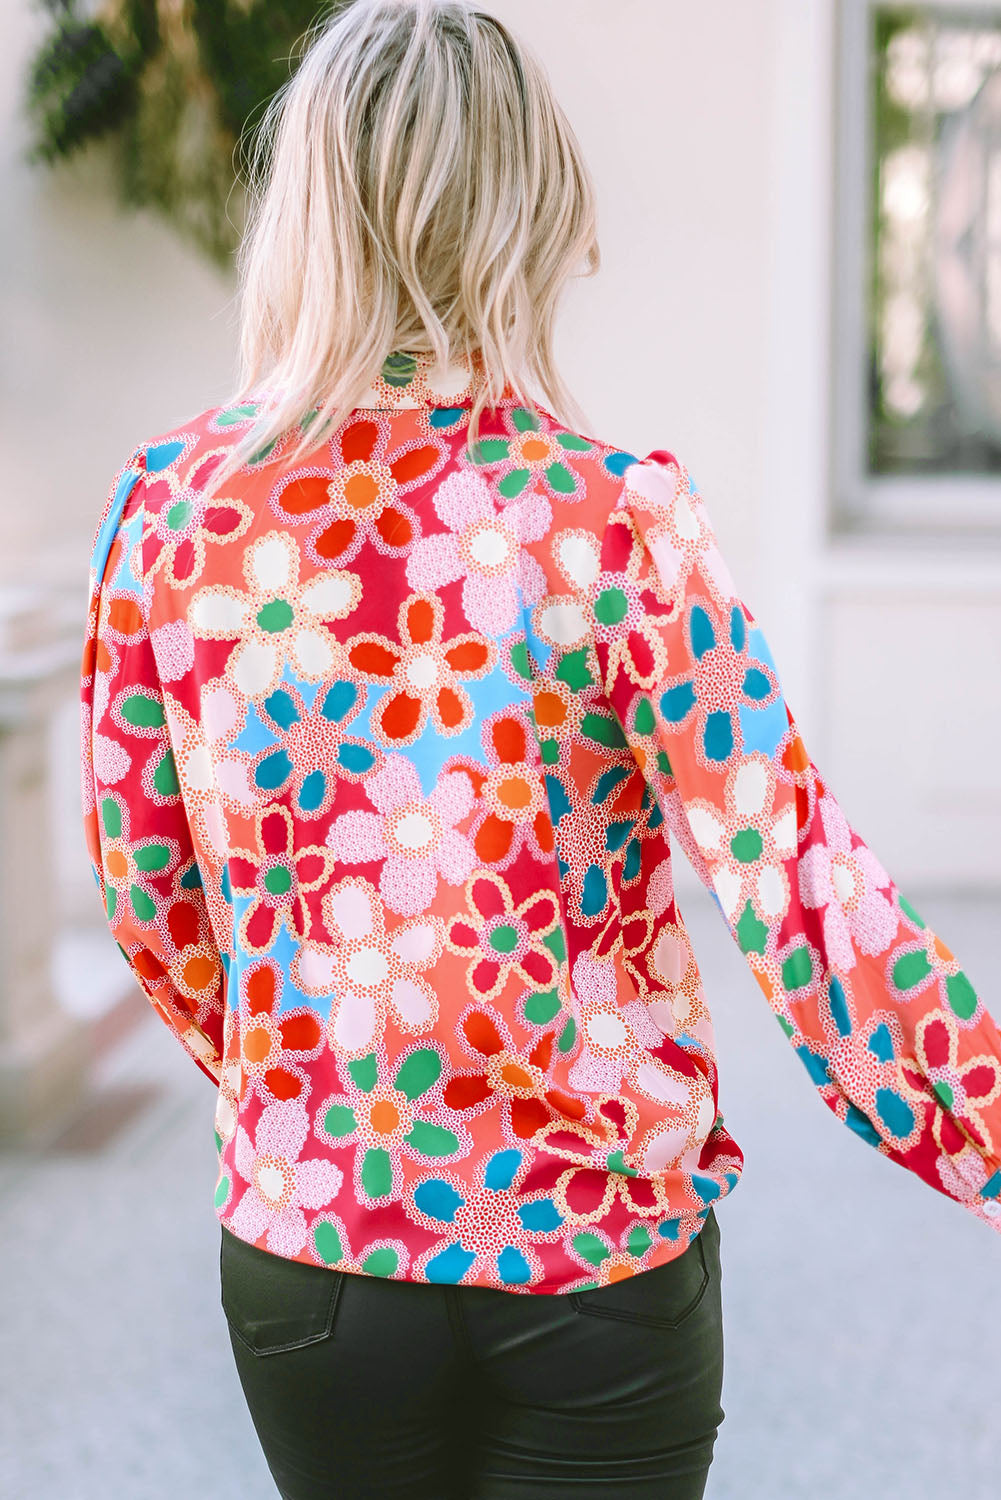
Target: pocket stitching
x: 649, y: 1321
x: 337, y: 1277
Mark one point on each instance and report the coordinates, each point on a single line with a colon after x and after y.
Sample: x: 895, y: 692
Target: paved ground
x: 863, y: 1310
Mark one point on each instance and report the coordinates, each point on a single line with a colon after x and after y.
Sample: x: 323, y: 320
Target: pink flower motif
x: 279, y: 1184
x: 847, y: 882
x: 415, y: 836
x: 484, y: 547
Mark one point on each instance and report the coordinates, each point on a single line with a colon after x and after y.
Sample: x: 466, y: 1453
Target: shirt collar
x: 416, y: 380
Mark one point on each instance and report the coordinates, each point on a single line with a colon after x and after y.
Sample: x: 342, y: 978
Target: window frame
x: 956, y: 506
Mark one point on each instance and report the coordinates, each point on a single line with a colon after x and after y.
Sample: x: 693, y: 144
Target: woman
x: 396, y: 684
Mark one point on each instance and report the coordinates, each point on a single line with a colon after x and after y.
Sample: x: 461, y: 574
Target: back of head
x: 416, y: 188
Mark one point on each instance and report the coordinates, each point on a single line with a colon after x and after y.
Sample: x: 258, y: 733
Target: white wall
x: 709, y: 126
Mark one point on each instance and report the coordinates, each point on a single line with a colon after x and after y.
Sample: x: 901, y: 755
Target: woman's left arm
x: 135, y: 822
x: 889, y: 1027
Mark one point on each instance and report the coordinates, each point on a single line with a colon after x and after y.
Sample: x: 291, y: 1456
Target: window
x: 918, y: 226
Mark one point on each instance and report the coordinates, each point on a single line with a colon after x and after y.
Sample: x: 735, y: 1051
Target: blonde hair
x: 414, y: 187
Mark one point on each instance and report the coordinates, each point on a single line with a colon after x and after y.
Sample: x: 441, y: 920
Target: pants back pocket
x: 273, y: 1304
x: 663, y: 1297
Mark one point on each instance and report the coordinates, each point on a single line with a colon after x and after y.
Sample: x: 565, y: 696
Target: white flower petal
x: 272, y: 562
x: 218, y: 611
x: 331, y: 596
x: 750, y: 788
x: 253, y: 665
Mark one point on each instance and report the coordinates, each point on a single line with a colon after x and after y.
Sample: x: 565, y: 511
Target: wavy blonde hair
x: 418, y: 189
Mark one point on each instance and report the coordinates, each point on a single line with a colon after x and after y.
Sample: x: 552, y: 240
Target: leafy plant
x: 172, y: 86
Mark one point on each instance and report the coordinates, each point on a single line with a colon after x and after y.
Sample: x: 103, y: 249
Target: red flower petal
x: 184, y: 559
x: 493, y: 838
x: 542, y: 1052
x: 221, y: 519
x: 358, y: 441
x: 283, y: 1084
x: 465, y: 1091
x: 542, y: 823
x: 482, y: 1033
x: 260, y: 989
x: 302, y: 496
x: 541, y: 913
x: 451, y: 708
x: 585, y: 1190
x: 935, y: 1039
x: 979, y: 1081
x: 467, y: 655
x: 528, y: 1116
x: 300, y: 1033
x: 413, y: 465
x: 420, y: 617
x: 484, y: 976
x: 374, y: 658
x: 336, y: 538
x: 464, y: 936
x: 276, y: 836
x: 400, y: 716
x: 510, y: 741
x: 242, y: 873
x: 487, y: 898
x: 642, y: 653
x: 261, y: 925
x: 182, y: 923
x: 395, y: 527
x: 539, y: 966
x: 573, y: 1109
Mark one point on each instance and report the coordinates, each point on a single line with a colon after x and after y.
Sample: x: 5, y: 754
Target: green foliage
x: 172, y: 86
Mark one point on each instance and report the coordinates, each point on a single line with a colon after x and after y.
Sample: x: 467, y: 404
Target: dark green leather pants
x: 394, y: 1390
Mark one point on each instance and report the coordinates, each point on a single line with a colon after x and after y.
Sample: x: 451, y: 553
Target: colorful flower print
x: 330, y: 1245
x: 488, y: 1226
x: 658, y: 956
x: 599, y: 824
x: 415, y: 837
x: 962, y: 1089
x: 521, y: 1084
x: 140, y: 716
x: 277, y: 620
x: 310, y: 751
x: 130, y: 868
x: 923, y: 962
x: 273, y: 1042
x: 515, y: 807
x: 633, y: 1254
x: 382, y: 793
x: 373, y: 974
x: 504, y: 940
x: 747, y: 843
x: 423, y: 675
x: 724, y: 680
x: 387, y: 1122
x: 277, y: 878
x: 601, y: 1172
x: 848, y: 882
x: 279, y: 1184
x: 678, y: 533
x: 181, y: 523
x: 359, y: 499
x: 627, y: 611
x: 212, y: 778
x: 484, y: 547
x: 531, y: 455
x: 621, y: 1042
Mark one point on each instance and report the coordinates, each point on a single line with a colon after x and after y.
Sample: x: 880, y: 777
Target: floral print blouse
x: 382, y: 751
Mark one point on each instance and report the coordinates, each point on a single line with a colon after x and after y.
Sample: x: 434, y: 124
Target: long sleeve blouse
x: 383, y: 752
